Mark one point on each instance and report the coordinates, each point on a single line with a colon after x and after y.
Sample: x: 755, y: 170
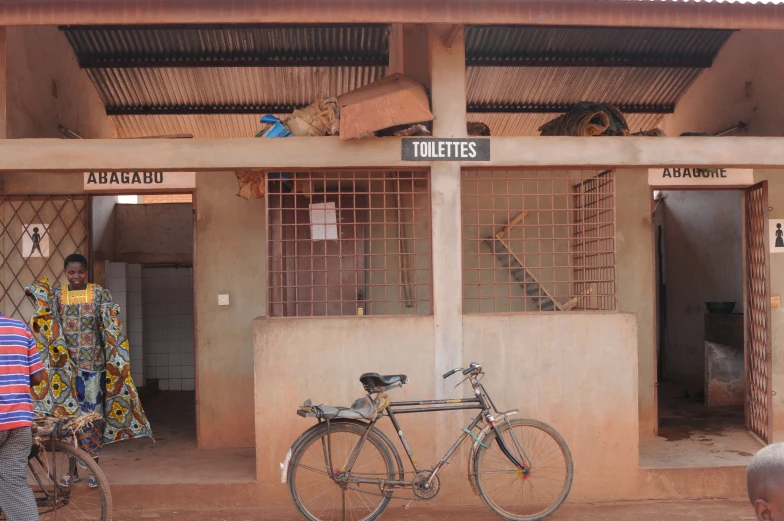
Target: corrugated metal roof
x: 589, y: 46
x: 224, y: 89
x: 236, y: 45
x: 238, y: 68
x: 542, y: 71
x: 528, y: 124
x: 217, y: 81
x: 552, y: 89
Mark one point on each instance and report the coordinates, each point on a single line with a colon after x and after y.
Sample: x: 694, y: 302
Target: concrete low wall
x: 576, y: 371
x: 322, y: 359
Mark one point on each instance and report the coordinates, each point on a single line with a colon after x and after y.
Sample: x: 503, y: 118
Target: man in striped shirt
x: 20, y: 368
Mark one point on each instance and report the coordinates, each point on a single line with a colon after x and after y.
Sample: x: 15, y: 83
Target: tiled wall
x: 167, y: 304
x: 124, y: 281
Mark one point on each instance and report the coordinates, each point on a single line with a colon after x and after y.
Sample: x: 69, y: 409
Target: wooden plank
x: 80, y: 155
x: 572, y: 302
x: 513, y: 222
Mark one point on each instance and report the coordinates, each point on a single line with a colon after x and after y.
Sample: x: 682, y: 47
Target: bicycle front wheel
x: 509, y: 492
x: 355, y: 494
x: 68, y: 485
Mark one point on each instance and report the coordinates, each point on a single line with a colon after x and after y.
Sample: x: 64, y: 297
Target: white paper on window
x: 323, y: 222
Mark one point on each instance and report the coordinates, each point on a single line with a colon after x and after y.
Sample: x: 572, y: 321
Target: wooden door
x: 758, y: 352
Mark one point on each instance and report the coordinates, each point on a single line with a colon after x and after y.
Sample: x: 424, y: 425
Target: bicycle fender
x: 479, y: 441
x: 284, y: 467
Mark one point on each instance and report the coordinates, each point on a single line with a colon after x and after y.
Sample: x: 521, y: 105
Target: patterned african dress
x: 80, y: 312
x: 86, y: 357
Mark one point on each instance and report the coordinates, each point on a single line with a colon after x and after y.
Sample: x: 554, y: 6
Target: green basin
x: 721, y: 308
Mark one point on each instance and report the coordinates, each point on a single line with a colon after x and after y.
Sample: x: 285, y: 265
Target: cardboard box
x: 390, y: 102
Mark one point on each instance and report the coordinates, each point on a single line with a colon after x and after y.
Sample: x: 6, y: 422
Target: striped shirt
x: 18, y: 360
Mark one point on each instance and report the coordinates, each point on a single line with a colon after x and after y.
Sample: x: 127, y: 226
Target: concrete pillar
x: 447, y: 76
x: 3, y: 85
x: 396, y: 59
x: 416, y: 59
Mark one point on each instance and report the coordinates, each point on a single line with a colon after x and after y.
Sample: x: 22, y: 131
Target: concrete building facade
x: 594, y: 371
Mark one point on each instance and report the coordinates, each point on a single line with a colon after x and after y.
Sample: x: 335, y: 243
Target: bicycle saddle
x: 374, y: 382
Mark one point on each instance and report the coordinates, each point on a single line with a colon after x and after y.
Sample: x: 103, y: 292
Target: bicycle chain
x: 393, y: 496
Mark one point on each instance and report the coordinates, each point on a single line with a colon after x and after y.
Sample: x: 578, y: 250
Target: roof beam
x: 195, y: 61
x: 555, y: 60
x: 80, y: 155
x: 182, y: 110
x: 702, y: 15
x: 555, y: 108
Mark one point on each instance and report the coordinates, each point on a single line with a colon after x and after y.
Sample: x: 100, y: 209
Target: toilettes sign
x: 699, y: 177
x: 138, y: 182
x: 445, y: 149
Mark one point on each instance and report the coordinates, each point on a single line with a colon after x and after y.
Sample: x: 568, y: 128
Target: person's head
x: 778, y: 225
x: 765, y: 483
x: 76, y: 271
x: 35, y: 228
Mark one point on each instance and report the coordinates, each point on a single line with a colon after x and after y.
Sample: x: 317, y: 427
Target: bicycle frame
x: 46, y: 500
x: 482, y: 402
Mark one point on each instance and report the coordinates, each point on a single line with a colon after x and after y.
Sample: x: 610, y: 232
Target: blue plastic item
x: 277, y: 129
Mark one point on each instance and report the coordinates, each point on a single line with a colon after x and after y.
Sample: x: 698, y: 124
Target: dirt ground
x: 705, y: 510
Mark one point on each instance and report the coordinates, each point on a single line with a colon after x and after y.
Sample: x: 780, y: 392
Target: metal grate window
x: 347, y: 243
x: 538, y: 240
x: 36, y: 234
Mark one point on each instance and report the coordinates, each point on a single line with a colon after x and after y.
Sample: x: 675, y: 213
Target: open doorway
x: 711, y: 287
x: 143, y: 254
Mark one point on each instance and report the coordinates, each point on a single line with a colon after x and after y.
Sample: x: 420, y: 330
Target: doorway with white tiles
x: 143, y: 253
x: 167, y: 310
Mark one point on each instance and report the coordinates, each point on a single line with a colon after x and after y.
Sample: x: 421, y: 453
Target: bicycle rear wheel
x: 509, y: 492
x: 321, y: 497
x: 61, y: 485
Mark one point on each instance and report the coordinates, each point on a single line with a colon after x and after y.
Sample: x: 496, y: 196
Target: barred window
x: 538, y: 240
x: 348, y: 243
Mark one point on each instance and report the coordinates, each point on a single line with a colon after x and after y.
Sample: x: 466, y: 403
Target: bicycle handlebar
x: 474, y: 367
x: 450, y: 373
x: 471, y: 368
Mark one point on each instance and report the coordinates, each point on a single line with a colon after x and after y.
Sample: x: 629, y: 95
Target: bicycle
x: 511, y: 465
x: 59, y: 473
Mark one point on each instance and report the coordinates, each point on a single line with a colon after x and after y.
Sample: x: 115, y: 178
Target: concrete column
x: 447, y: 76
x: 396, y: 54
x: 3, y: 85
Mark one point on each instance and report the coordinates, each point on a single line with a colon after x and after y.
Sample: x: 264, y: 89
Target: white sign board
x: 776, y: 231
x: 699, y: 177
x: 35, y: 240
x: 323, y: 222
x: 138, y: 182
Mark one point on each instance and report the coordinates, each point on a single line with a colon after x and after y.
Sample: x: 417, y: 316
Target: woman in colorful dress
x: 79, y: 307
x: 80, y: 319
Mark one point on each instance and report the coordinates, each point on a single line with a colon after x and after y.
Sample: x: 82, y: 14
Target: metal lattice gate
x: 37, y: 232
x: 759, y: 367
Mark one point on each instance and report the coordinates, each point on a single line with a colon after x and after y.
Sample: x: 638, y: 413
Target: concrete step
x: 606, y: 486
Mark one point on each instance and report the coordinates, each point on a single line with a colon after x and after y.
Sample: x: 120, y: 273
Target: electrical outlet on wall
x: 223, y: 300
